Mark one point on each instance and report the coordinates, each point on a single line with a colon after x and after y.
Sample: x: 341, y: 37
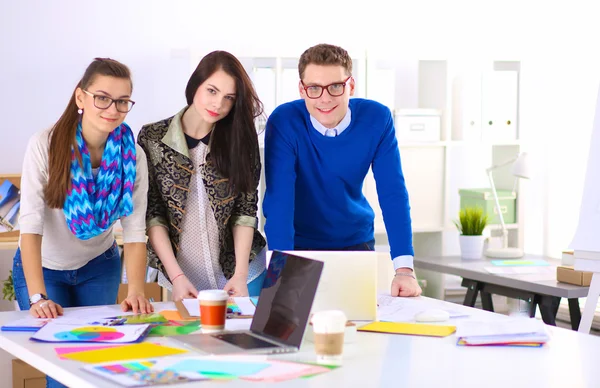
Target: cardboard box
x: 418, y: 125
x: 566, y: 274
x: 26, y: 376
x: 152, y: 290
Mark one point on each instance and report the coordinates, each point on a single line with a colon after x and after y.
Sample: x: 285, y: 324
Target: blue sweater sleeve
x: 280, y: 179
x: 392, y: 193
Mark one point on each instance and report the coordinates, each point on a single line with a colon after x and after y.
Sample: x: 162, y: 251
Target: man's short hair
x: 325, y: 54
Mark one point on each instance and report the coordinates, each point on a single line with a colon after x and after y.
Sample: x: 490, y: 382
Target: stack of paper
x: 512, y: 331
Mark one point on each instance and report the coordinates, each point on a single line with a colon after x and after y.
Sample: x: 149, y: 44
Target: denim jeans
x: 94, y: 284
x: 366, y: 246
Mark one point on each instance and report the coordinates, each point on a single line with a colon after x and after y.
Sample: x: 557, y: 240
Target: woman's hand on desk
x: 405, y: 283
x: 46, y: 309
x: 137, y: 303
x: 236, y: 286
x: 183, y: 288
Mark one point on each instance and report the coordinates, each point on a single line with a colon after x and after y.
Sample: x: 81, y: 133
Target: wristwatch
x: 33, y: 299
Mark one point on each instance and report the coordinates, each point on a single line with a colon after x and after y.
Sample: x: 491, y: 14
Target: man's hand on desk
x: 405, y: 283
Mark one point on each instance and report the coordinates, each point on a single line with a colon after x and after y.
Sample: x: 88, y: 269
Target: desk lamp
x: 520, y: 169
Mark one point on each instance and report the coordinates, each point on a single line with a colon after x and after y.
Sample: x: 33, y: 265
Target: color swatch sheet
x: 409, y: 328
x: 179, y: 369
x: 141, y: 373
x: 58, y: 332
x: 241, y: 306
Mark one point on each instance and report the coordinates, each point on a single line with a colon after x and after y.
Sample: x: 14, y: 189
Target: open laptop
x: 348, y: 283
x: 281, y: 316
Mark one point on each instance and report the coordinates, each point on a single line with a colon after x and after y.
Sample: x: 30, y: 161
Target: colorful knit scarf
x: 93, y: 204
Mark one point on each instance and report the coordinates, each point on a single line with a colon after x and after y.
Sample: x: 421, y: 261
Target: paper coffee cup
x: 213, y: 308
x: 328, y: 328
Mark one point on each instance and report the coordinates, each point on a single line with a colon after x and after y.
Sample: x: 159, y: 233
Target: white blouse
x: 198, y: 255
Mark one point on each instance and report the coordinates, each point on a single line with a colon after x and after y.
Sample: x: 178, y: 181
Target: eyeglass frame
x: 326, y: 87
x: 112, y: 101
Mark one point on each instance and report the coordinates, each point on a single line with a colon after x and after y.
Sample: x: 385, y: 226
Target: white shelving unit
x: 479, y: 128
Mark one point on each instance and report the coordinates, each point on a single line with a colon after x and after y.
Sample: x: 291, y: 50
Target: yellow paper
x: 409, y: 328
x: 126, y: 352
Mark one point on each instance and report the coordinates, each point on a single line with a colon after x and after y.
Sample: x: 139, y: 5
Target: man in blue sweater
x: 318, y: 151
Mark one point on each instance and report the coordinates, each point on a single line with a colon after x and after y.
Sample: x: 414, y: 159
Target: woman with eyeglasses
x: 79, y: 178
x: 204, y: 168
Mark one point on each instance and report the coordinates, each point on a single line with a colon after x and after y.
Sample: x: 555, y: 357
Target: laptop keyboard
x: 244, y: 341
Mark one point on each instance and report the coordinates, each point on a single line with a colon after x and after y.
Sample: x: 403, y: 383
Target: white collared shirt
x: 404, y: 261
x: 332, y: 132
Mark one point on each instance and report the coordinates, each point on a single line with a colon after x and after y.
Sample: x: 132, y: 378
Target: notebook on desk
x: 281, y: 315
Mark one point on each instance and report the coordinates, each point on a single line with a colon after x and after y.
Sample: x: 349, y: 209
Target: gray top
x: 61, y: 250
x: 542, y: 282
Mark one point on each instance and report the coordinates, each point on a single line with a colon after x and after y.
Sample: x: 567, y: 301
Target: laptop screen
x: 286, y: 298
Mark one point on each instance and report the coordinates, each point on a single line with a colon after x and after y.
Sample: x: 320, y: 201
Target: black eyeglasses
x: 335, y: 89
x: 104, y: 102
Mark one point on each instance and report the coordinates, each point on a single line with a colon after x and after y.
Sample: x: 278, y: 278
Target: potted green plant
x: 8, y: 289
x: 471, y: 223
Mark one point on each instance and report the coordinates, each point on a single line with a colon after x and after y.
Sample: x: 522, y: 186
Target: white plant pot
x: 471, y: 247
x: 16, y: 305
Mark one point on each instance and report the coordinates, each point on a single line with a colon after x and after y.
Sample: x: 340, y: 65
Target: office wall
x: 45, y: 46
x: 558, y: 105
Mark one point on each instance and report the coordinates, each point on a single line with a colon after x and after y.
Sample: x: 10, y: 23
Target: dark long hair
x: 234, y: 140
x: 62, y: 135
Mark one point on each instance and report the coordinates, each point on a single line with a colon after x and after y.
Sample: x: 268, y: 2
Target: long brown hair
x: 234, y: 140
x: 62, y: 135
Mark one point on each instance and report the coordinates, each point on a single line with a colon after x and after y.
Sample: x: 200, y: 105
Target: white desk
x: 381, y: 360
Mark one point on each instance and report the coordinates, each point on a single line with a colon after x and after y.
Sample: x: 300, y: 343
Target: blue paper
x: 228, y: 367
x: 520, y: 263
